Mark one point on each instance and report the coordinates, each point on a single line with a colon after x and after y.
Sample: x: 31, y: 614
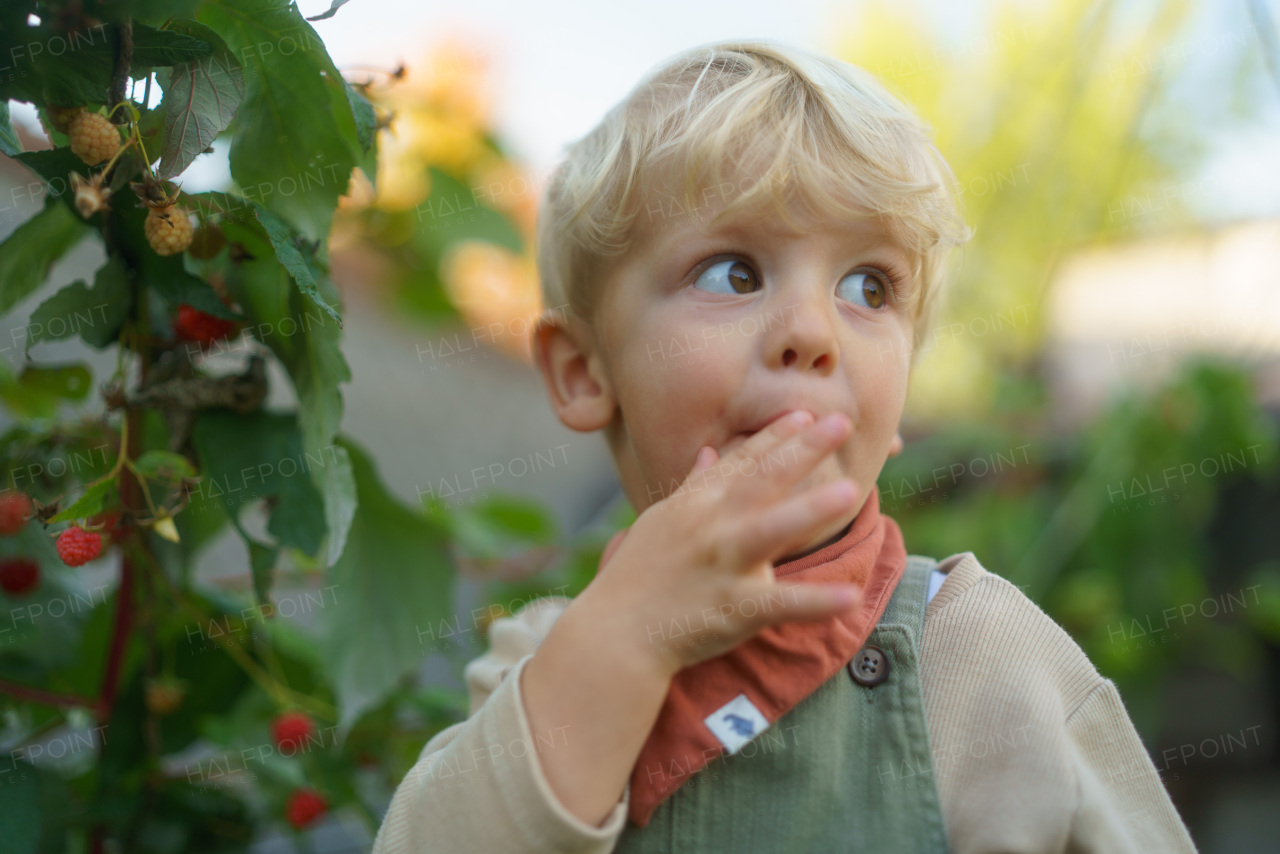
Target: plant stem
x: 142, y: 481
x: 48, y: 698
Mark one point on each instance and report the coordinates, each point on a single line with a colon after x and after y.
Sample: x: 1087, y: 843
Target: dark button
x: 870, y: 666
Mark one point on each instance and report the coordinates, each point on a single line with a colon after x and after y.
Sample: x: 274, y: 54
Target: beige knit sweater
x: 1033, y: 749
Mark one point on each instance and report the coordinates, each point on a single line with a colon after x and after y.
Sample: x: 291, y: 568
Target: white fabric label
x: 736, y: 722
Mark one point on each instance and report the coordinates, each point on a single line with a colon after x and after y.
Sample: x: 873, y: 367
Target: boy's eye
x: 862, y: 288
x: 728, y: 277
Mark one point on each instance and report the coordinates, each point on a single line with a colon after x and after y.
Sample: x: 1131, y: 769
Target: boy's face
x: 703, y: 335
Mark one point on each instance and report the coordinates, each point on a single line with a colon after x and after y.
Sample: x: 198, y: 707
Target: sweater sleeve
x: 1121, y: 804
x: 478, y: 784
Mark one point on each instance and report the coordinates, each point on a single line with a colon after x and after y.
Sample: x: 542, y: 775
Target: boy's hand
x: 693, y: 576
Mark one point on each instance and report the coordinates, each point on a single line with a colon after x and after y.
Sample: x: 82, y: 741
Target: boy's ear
x: 580, y: 392
x: 895, y: 447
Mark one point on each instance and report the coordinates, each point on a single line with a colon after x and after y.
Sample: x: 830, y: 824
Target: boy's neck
x: 834, y: 539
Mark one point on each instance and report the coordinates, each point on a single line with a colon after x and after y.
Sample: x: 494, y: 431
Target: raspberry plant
x: 175, y: 680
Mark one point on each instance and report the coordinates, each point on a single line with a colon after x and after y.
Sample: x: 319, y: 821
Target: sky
x: 558, y: 65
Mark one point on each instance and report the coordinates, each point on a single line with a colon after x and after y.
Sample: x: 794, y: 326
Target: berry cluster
x: 168, y: 229
x: 203, y: 328
x: 304, y: 807
x: 76, y: 546
x: 19, y: 574
x: 93, y: 137
x: 291, y: 731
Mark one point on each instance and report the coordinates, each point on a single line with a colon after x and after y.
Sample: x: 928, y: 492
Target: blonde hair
x: 799, y: 121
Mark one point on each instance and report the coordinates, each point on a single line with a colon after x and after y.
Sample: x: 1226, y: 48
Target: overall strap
x: 906, y: 605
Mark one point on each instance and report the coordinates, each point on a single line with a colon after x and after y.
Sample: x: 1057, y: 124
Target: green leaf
x: 164, y: 465
x: 251, y: 457
x: 366, y: 118
x: 69, y: 382
x: 173, y: 45
x: 9, y: 142
x: 200, y: 100
x: 39, y: 391
x: 307, y: 342
x: 285, y: 244
x: 95, y: 315
x: 290, y: 152
x: 96, y: 497
x: 29, y: 252
x: 46, y: 67
x: 54, y: 166
x: 393, y: 576
x: 20, y: 809
x: 366, y: 132
x: 338, y: 486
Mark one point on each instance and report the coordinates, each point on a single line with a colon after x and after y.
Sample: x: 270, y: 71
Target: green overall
x: 848, y: 769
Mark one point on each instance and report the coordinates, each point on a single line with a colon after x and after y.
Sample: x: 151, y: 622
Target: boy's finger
x: 802, y: 600
x: 705, y: 459
x: 775, y: 473
x: 771, y: 434
x: 745, y: 458
x: 756, y: 445
x: 774, y: 531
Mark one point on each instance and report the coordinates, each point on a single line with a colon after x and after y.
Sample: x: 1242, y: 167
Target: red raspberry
x: 19, y: 575
x: 196, y: 325
x: 77, y: 546
x: 93, y: 137
x: 291, y: 731
x: 168, y: 230
x: 304, y: 806
x: 15, y: 508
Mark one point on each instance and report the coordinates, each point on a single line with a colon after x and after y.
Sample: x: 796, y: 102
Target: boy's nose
x: 805, y: 339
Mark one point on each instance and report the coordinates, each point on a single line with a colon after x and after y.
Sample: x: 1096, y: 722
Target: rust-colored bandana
x: 717, y: 705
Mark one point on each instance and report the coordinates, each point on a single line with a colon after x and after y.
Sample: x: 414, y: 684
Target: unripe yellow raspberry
x: 168, y: 230
x: 93, y: 138
x: 60, y: 118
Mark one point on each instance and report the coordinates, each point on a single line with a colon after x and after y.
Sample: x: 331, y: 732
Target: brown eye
x: 729, y: 277
x: 862, y: 288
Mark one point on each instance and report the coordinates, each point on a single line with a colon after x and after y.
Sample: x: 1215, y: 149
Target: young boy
x: 750, y: 249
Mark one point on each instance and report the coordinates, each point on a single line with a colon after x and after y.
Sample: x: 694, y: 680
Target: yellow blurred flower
x: 496, y: 291
x: 441, y: 111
